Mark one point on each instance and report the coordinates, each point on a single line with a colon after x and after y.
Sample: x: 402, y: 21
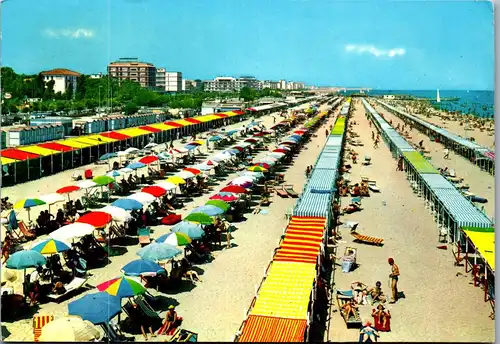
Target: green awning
x: 419, y: 163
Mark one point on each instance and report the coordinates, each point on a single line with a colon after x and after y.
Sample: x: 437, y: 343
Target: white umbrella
x: 121, y: 153
x: 74, y: 230
x: 142, y: 197
x: 150, y: 145
x: 270, y: 158
x: 244, y: 144
x: 166, y: 185
x: 69, y: 329
x: 118, y: 214
x: 277, y: 155
x: 241, y: 180
x: 203, y: 167
x: 131, y: 150
x: 221, y: 157
x: 125, y: 170
x: 283, y: 147
x: 254, y: 175
x: 184, y: 174
x: 52, y: 198
x: 210, y: 163
x: 85, y: 184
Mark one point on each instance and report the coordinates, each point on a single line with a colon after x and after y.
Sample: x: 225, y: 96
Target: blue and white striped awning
x: 322, y: 179
x: 463, y: 211
x: 334, y: 141
x: 327, y: 164
x: 436, y: 181
x: 313, y: 204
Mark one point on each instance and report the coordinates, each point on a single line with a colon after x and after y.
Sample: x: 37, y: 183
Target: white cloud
x: 73, y: 34
x: 373, y: 50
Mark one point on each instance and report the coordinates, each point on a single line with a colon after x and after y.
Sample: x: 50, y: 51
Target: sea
x: 478, y: 103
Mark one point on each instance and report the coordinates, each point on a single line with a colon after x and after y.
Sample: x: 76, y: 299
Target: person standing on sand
x: 375, y: 144
x: 373, y: 136
x: 394, y: 277
x: 400, y: 164
x: 446, y: 153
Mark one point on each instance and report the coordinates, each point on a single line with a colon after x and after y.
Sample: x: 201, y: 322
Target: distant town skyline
x: 377, y: 44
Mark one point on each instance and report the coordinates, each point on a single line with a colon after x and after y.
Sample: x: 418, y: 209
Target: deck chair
x: 13, y: 229
x: 344, y: 296
x: 112, y: 336
x: 144, y: 236
x: 77, y: 175
x: 146, y: 307
x: 71, y: 287
x: 367, y: 239
x: 289, y: 190
x: 281, y: 192
x: 27, y: 232
x: 40, y: 321
x: 367, y: 161
x: 451, y: 173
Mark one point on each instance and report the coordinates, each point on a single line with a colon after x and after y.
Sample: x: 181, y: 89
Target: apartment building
x: 274, y: 85
x: 231, y: 84
x: 173, y: 81
x: 64, y: 79
x: 131, y: 69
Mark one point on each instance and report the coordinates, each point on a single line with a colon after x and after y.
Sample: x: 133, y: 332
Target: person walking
x: 394, y: 277
x: 446, y: 153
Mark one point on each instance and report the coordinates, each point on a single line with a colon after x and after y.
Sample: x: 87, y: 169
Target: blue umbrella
x: 142, y: 267
x: 210, y: 210
x: 158, y: 251
x: 113, y: 173
x: 231, y: 132
x: 215, y: 138
x: 108, y: 156
x: 292, y: 138
x: 193, y: 230
x: 232, y: 151
x: 97, y: 308
x: 25, y: 259
x: 190, y: 147
x: 136, y: 165
x: 127, y: 204
x: 202, y: 167
x: 298, y: 137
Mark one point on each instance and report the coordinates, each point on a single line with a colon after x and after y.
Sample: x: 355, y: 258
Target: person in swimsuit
x: 394, y: 276
x: 376, y: 292
x: 349, y: 308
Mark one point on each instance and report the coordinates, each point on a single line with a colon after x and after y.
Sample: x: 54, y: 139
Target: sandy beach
x: 481, y: 182
x: 215, y: 307
x: 440, y: 303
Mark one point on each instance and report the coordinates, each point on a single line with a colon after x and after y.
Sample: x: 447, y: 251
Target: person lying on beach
x: 349, y: 309
x: 355, y: 190
x: 343, y: 191
x: 381, y: 317
x: 376, y: 293
x: 358, y: 289
x: 363, y: 190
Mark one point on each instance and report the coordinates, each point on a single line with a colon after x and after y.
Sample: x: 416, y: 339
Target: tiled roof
x: 61, y: 71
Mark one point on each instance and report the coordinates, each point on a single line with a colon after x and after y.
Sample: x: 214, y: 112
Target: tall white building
x: 168, y: 81
x: 282, y: 85
x: 63, y: 79
x: 231, y: 84
x: 274, y: 85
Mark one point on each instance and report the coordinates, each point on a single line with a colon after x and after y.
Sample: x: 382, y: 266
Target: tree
x: 81, y: 84
x: 26, y: 109
x: 13, y: 108
x: 131, y: 108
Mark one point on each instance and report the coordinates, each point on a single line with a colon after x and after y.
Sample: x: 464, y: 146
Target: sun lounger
x: 144, y: 236
x: 281, y: 192
x: 72, y: 286
x: 344, y: 296
x: 28, y: 234
x: 367, y: 239
x: 451, y: 173
x: 183, y: 335
x: 367, y: 161
x: 289, y: 190
x: 373, y: 187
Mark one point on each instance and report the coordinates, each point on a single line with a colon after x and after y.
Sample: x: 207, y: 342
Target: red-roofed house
x: 63, y: 79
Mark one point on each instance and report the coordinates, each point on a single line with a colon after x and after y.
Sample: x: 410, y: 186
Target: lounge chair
x: 367, y: 239
x: 281, y: 192
x: 344, y: 296
x: 289, y: 190
x: 146, y: 307
x: 348, y: 265
x: 183, y: 335
x: 72, y: 286
x: 367, y: 161
x: 112, y: 336
x: 27, y: 232
x: 77, y: 175
x: 373, y: 187
x: 144, y: 236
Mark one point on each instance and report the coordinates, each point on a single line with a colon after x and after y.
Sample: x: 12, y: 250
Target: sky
x: 378, y: 43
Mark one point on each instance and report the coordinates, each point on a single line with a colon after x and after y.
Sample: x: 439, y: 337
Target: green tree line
x: 90, y: 93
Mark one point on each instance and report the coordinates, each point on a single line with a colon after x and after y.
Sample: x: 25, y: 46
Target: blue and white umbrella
x: 136, y: 165
x: 158, y: 252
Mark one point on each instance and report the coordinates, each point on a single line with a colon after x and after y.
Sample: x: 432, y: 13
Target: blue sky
x: 378, y: 44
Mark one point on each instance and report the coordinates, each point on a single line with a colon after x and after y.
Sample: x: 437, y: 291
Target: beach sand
x: 438, y: 304
x: 481, y: 182
x: 215, y: 307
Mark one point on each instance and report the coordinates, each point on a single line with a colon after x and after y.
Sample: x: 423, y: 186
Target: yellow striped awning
x: 161, y: 126
x: 74, y: 143
x: 485, y: 244
x: 286, y: 291
x: 6, y: 161
x: 230, y: 114
x: 183, y: 122
x: 38, y: 150
x: 133, y: 132
x: 88, y: 140
x: 102, y: 138
x: 206, y: 118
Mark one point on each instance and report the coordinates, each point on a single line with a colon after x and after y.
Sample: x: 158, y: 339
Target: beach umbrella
x: 221, y: 157
x: 263, y: 164
x: 164, y: 156
x: 203, y: 167
x: 154, y: 190
x: 257, y: 169
x: 288, y: 142
x: 219, y: 204
x: 108, y: 156
x: 143, y: 267
x: 136, y: 165
x: 238, y: 148
x: 68, y: 189
x: 113, y: 173
x: 300, y: 131
x: 158, y: 252
x: 240, y: 180
x: 232, y: 151
x: 52, y: 199
x: 253, y: 175
x: 192, y: 230
x: 148, y: 159
x: 125, y: 170
x: 150, y: 145
x: 28, y: 203
x: 176, y: 180
x: 243, y: 184
x: 166, y: 185
x: 69, y: 329
x: 122, y: 287
x: 25, y: 259
x: 251, y: 140
x: 277, y: 155
x: 226, y: 197
x: 103, y: 180
x: 215, y: 138
x: 200, y: 218
x: 243, y: 145
x: 184, y: 174
x: 210, y: 163
x: 86, y: 184
x: 194, y: 143
x: 128, y: 204
x: 142, y: 197
x: 280, y: 150
x: 192, y: 170
x: 97, y: 308
x: 260, y: 134
x: 175, y: 239
x: 131, y: 150
x: 284, y: 147
x: 121, y: 153
x: 234, y: 189
x: 118, y: 214
x: 297, y: 137
x: 97, y: 219
x: 73, y: 230
x: 210, y: 210
x: 50, y: 246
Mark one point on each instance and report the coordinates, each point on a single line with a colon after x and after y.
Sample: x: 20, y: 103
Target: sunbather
x: 376, y: 293
x: 349, y: 309
x: 381, y: 317
x: 355, y: 190
x: 359, y: 292
x: 172, y: 321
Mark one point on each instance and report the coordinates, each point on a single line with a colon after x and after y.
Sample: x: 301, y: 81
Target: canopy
x: 74, y: 230
x: 272, y: 329
x: 484, y: 242
x: 133, y: 132
x: 38, y: 150
x: 419, y: 163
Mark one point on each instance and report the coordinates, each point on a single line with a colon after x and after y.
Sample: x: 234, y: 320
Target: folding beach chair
x: 281, y: 192
x: 27, y: 232
x: 289, y: 190
x: 365, y: 239
x: 71, y: 287
x: 144, y: 236
x: 40, y: 321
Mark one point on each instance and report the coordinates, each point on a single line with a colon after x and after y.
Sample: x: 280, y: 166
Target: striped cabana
x: 17, y: 154
x: 115, y: 135
x: 259, y: 328
x: 55, y: 146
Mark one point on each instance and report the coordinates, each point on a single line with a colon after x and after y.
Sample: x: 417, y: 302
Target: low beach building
x: 64, y: 79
